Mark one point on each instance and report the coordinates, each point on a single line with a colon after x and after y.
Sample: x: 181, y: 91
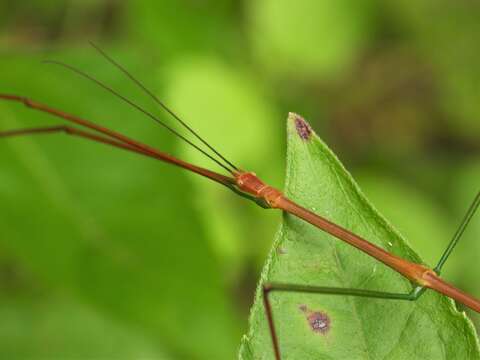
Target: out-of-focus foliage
x: 448, y: 39
x: 143, y: 228
x: 164, y: 262
x: 311, y: 38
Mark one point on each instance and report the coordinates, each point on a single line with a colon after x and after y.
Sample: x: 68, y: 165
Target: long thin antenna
x: 159, y: 102
x: 139, y: 108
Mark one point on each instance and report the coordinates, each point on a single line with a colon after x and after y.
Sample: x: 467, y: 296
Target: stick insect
x: 249, y: 186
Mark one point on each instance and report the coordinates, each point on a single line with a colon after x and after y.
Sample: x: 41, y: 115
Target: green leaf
x: 430, y: 328
x: 399, y: 201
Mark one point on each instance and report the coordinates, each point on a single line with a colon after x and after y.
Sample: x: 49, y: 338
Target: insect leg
x: 458, y: 234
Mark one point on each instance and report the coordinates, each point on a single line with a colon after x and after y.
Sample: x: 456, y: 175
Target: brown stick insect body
x: 248, y: 185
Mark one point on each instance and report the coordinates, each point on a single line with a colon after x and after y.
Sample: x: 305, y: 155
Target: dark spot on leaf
x: 319, y: 322
x: 303, y: 128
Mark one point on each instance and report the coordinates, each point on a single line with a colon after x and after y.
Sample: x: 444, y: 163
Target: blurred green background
x: 108, y: 255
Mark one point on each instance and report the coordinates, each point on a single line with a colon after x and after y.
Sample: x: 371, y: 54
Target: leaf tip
x: 303, y: 128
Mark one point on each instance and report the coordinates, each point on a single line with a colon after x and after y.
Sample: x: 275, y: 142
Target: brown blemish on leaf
x: 318, y: 321
x: 303, y: 128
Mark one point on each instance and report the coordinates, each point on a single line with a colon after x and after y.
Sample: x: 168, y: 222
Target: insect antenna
x: 138, y: 107
x: 159, y: 102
